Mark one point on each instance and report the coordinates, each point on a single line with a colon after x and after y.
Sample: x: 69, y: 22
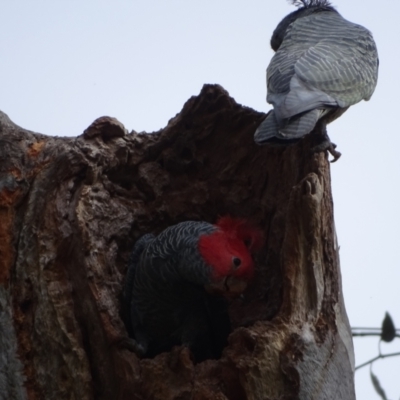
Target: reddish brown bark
x: 70, y: 212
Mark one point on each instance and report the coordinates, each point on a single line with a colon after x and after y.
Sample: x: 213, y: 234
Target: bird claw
x: 336, y: 154
x: 327, y: 145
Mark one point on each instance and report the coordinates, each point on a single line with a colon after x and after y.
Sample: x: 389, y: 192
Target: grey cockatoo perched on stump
x: 323, y: 64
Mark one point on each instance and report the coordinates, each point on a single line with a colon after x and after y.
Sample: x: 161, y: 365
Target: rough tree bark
x: 70, y: 212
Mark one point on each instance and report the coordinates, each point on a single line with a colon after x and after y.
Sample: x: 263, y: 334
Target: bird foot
x: 327, y: 145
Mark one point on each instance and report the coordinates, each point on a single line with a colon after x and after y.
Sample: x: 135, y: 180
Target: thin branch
x: 370, y: 329
x: 370, y: 334
x: 366, y: 334
x: 377, y: 358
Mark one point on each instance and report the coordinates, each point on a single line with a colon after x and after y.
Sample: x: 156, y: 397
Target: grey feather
x: 323, y: 62
x: 140, y: 245
x: 166, y: 286
x: 294, y: 129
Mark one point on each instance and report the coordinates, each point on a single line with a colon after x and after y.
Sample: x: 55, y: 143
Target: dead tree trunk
x: 70, y: 212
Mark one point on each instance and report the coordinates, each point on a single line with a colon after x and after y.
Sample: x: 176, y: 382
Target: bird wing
x: 324, y: 60
x: 140, y: 245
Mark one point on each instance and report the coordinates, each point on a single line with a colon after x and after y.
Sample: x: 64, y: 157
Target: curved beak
x: 229, y: 287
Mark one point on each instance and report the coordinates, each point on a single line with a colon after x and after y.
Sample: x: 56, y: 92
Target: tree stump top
x: 71, y: 210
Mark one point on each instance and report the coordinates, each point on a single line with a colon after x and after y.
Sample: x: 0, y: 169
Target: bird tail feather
x: 291, y: 130
x: 300, y: 126
x: 267, y: 130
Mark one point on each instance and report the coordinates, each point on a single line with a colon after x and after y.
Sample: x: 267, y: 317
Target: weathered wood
x: 70, y: 212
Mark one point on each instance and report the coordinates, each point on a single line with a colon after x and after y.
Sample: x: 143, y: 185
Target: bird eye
x: 236, y: 262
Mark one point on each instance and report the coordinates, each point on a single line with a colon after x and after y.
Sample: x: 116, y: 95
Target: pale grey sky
x: 65, y: 63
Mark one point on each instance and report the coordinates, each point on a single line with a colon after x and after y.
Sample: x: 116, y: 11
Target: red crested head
x: 228, y: 250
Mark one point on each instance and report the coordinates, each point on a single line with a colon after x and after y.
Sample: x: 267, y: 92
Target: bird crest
x: 311, y: 3
x: 243, y: 230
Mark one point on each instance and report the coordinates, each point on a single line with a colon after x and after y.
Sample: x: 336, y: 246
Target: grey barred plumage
x: 165, y: 290
x: 323, y: 64
x: 140, y: 245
